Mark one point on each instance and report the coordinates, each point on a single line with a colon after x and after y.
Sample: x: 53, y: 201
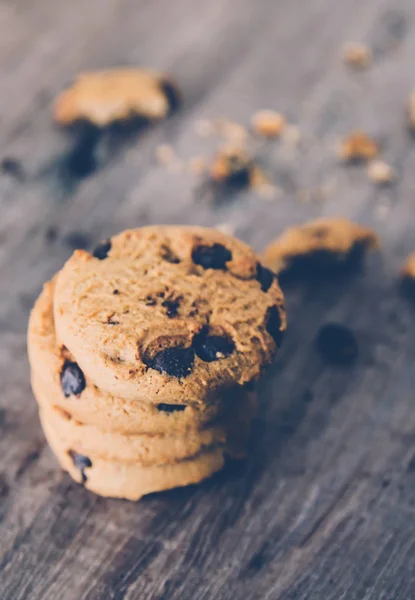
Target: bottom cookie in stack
x: 121, y: 466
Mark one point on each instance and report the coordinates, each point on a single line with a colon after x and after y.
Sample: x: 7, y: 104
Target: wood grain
x: 323, y: 509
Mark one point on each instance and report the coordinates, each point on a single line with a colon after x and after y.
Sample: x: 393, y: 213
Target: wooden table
x: 325, y: 506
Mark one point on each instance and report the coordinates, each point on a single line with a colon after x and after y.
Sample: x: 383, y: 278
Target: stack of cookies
x: 143, y: 354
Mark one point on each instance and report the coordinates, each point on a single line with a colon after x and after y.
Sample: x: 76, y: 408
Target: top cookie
x: 169, y: 312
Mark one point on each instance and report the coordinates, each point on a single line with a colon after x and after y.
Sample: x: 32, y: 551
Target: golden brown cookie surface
x: 325, y: 242
x: 118, y: 479
x: 169, y: 314
x: 102, y: 97
x: 90, y: 405
x: 149, y: 449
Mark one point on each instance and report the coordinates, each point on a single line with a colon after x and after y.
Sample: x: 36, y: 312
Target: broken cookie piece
x: 319, y: 248
x: 357, y: 55
x: 268, y: 123
x: 233, y: 166
x: 358, y: 146
x: 103, y: 97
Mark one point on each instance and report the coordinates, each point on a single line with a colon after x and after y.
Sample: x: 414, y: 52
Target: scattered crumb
x: 226, y: 228
x: 103, y: 97
x: 197, y: 165
x: 165, y: 154
x: 411, y: 110
x: 291, y: 135
x: 268, y: 123
x: 204, y: 128
x: 357, y: 55
x: 358, y: 146
x: 231, y: 130
x: 232, y: 165
x: 380, y: 172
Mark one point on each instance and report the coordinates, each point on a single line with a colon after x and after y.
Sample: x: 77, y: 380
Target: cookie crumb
x: 165, y: 154
x: 357, y: 55
x: 380, y: 172
x: 232, y: 165
x: 358, y: 146
x: 268, y: 123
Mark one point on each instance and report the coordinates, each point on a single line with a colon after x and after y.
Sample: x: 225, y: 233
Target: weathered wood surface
x: 324, y: 507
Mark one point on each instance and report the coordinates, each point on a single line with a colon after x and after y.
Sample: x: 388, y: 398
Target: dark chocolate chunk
x: 115, y: 292
x: 212, y: 347
x: 170, y: 408
x: 273, y: 324
x: 72, y: 379
x: 172, y: 307
x: 177, y: 362
x: 211, y: 257
x: 239, y: 172
x: 12, y: 167
x: 264, y: 276
x: 337, y: 344
x: 102, y: 249
x: 81, y: 462
x: 168, y: 254
x: 172, y: 94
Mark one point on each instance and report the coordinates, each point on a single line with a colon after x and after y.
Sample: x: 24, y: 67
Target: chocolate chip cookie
x: 169, y: 314
x: 319, y: 247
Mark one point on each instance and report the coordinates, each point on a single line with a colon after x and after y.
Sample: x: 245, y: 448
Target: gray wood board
x: 324, y: 507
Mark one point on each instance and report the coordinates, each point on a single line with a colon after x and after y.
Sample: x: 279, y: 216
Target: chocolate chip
x: 171, y: 306
x: 115, y: 292
x: 212, y: 347
x: 273, y: 324
x: 102, y: 249
x: 211, y: 257
x: 264, y: 276
x: 177, y: 362
x: 168, y: 254
x: 72, y: 379
x: 81, y: 462
x: 170, y: 408
x: 12, y: 167
x: 337, y: 344
x: 172, y: 94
